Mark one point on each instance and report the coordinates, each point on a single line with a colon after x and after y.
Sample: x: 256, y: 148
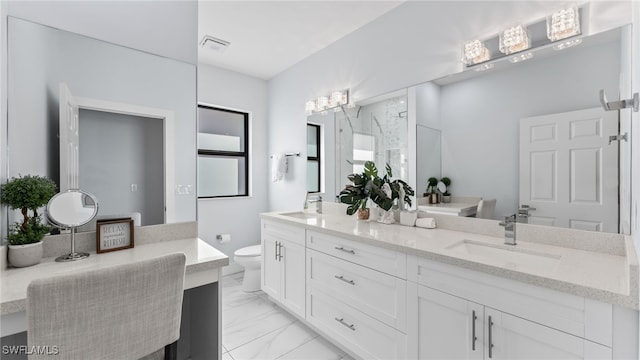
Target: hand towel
x: 428, y: 223
x: 408, y: 218
x: 278, y: 167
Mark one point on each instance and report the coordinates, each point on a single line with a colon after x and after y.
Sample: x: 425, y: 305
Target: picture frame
x: 114, y: 235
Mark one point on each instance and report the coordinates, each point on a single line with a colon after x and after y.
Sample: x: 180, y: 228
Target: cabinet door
x: 510, y: 337
x: 446, y: 326
x: 270, y: 266
x: 292, y: 283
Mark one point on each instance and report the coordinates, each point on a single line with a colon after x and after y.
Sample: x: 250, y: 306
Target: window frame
x: 232, y: 154
x: 316, y: 158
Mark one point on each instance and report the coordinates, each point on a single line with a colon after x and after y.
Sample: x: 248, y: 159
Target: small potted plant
x: 27, y: 194
x: 446, y: 196
x: 432, y: 192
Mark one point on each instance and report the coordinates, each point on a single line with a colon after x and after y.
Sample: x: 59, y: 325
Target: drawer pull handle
x: 341, y: 321
x: 340, y: 277
x: 473, y: 330
x: 345, y: 250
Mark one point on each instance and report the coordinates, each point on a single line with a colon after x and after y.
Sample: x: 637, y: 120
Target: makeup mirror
x: 69, y: 210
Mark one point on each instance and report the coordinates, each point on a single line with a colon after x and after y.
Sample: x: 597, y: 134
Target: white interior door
x: 568, y: 171
x: 69, y: 140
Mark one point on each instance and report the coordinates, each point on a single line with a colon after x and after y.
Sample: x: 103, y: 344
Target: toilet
x: 249, y: 258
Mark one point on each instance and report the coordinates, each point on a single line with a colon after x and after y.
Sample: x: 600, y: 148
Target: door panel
x: 293, y: 277
x: 270, y: 266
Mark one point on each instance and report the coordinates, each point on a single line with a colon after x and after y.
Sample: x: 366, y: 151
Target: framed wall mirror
x: 534, y: 133
x: 131, y: 157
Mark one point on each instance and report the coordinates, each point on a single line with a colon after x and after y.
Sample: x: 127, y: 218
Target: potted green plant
x: 356, y: 194
x: 27, y: 194
x: 432, y: 194
x: 446, y: 196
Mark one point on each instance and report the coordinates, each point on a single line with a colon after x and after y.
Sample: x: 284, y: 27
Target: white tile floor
x: 253, y: 327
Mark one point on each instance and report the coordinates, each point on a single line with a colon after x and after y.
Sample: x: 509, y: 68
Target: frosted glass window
x: 313, y: 176
x: 223, y: 153
x: 312, y: 140
x: 364, y: 147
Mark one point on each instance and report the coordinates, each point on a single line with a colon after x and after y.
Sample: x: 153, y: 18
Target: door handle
x: 490, y: 340
x: 280, y: 251
x: 473, y: 330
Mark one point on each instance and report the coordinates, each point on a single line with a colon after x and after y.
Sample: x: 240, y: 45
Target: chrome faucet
x: 509, y: 225
x: 318, y: 202
x: 523, y: 213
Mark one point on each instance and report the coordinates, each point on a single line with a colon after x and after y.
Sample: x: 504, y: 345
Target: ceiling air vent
x: 215, y: 44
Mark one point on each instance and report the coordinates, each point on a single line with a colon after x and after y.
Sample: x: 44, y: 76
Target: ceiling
x: 268, y: 37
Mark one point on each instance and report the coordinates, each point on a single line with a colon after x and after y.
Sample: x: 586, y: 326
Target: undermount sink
x: 302, y: 215
x: 510, y: 256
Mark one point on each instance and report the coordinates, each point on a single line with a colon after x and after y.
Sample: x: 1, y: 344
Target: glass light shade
x: 310, y: 106
x: 514, y: 39
x: 563, y: 24
x: 337, y: 98
x: 484, y: 67
x: 475, y: 52
x: 321, y: 103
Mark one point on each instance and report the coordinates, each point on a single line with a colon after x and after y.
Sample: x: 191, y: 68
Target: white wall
x: 409, y: 45
x: 237, y: 216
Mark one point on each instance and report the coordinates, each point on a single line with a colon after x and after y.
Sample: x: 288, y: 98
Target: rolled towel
x: 428, y: 223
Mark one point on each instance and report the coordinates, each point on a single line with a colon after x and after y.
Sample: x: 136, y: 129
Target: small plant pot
x: 25, y: 255
x: 446, y: 198
x: 363, y: 214
x: 433, y: 198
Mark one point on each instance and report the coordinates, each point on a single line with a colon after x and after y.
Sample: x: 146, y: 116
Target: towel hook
x: 620, y: 104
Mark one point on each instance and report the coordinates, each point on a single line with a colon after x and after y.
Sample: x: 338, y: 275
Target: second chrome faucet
x: 318, y: 202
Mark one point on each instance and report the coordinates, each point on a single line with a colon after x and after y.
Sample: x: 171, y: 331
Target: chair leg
x: 171, y: 351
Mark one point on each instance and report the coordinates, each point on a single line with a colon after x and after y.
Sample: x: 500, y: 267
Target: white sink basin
x: 302, y: 215
x: 507, y: 255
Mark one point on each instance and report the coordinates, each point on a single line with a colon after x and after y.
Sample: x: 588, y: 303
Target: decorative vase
x: 433, y: 198
x: 363, y: 214
x: 25, y: 255
x: 446, y: 198
x: 385, y: 216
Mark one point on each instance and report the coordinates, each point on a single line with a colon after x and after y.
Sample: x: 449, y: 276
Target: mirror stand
x: 73, y: 255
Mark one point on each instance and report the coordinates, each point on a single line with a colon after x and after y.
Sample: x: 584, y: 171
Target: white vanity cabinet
x: 464, y: 315
x: 354, y: 303
x: 283, y: 265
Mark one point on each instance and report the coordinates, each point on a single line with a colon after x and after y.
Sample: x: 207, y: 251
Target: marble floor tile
x: 226, y: 356
x: 245, y: 310
x: 275, y: 344
x: 316, y: 349
x: 242, y: 332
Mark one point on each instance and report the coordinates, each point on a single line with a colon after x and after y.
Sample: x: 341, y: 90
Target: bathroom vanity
x: 200, y: 326
x: 395, y: 292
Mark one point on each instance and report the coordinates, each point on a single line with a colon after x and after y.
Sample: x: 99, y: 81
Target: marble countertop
x: 607, y: 277
x: 201, y: 257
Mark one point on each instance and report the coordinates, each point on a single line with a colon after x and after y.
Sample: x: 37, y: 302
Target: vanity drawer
x: 366, y: 337
x: 294, y: 234
x: 385, y: 260
x: 379, y: 295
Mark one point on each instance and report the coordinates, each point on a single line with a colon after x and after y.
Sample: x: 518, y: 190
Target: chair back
x: 121, y: 312
x: 486, y: 209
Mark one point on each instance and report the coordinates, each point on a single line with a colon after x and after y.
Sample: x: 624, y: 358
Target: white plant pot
x: 385, y: 217
x: 25, y: 255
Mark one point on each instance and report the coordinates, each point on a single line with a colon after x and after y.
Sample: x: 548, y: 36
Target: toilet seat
x: 249, y: 251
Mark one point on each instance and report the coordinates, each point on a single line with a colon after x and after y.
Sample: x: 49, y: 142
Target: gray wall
x: 41, y: 57
x: 237, y: 216
x: 480, y: 117
x: 119, y: 150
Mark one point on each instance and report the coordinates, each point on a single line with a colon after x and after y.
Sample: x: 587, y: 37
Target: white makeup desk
x: 200, y: 328
x: 452, y: 208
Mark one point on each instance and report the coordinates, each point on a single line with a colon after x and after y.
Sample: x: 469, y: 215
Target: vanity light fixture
x: 567, y: 44
x: 475, y: 52
x: 514, y: 39
x: 323, y: 103
x: 563, y: 24
x: 484, y: 67
x: 521, y: 57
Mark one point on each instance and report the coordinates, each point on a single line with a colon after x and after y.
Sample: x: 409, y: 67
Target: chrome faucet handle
x: 508, y: 220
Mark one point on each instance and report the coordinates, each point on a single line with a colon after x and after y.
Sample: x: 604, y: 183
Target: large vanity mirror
x: 528, y: 133
x: 114, y: 121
